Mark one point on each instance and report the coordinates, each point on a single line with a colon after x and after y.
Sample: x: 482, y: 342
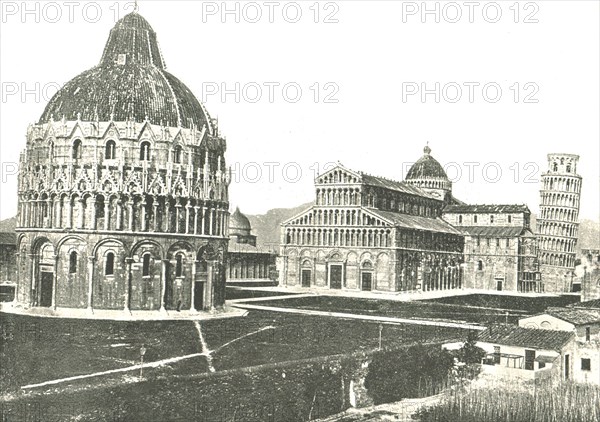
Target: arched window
x: 145, y: 151
x: 554, y: 167
x: 474, y: 219
x: 146, y: 265
x: 492, y: 219
x: 179, y: 265
x: 460, y: 219
x: 510, y: 218
x: 76, y: 153
x: 73, y: 262
x: 110, y: 151
x: 177, y: 152
x: 480, y: 265
x: 109, y: 265
x: 568, y: 168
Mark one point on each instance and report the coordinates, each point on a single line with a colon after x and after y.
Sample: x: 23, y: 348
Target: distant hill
x: 267, y: 226
x: 8, y: 225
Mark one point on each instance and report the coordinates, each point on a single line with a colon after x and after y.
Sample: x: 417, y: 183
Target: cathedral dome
x: 426, y: 167
x: 129, y: 83
x: 239, y: 223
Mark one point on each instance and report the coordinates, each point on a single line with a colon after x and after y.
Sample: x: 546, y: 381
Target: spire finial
x: 135, y: 7
x: 427, y: 150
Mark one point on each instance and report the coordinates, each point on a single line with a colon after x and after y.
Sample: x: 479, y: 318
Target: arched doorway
x: 45, y: 276
x: 200, y: 282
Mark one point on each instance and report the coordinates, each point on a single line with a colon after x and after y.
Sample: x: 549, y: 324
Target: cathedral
x: 123, y: 190
x: 374, y: 234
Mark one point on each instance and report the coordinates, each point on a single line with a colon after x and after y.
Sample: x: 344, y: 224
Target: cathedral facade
x: 123, y: 192
x: 372, y: 234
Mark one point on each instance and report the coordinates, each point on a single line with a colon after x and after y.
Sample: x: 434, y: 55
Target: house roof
x: 590, y: 304
x: 415, y: 222
x: 486, y: 209
x: 575, y: 316
x: 513, y: 335
x: 493, y: 231
x: 8, y: 238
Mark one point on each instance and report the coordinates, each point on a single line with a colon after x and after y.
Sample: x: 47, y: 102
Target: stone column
x: 54, y: 281
x: 177, y: 212
x: 93, y: 213
x: 143, y: 214
x: 107, y: 214
x: 80, y: 216
x: 196, y: 209
x: 167, y: 216
x: 130, y: 208
x: 91, y: 266
x: 33, y: 288
x: 155, y: 216
x: 50, y: 212
x: 163, y: 283
x: 187, y: 217
x: 58, y: 217
x: 128, y: 262
x: 209, y: 290
x: 192, y: 295
x: 119, y: 214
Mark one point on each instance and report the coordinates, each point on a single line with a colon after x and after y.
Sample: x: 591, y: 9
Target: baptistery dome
x: 130, y: 83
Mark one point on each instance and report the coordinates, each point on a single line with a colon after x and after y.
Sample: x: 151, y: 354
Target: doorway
x: 306, y: 277
x: 335, y: 276
x: 46, y: 282
x: 366, y: 283
x: 499, y: 282
x: 529, y: 359
x: 198, y: 295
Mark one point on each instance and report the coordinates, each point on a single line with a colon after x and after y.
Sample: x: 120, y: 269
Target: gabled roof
x: 575, y: 316
x: 493, y: 231
x: 486, y: 209
x: 513, y: 335
x: 8, y: 238
x: 403, y: 187
x: 590, y: 304
x: 413, y: 221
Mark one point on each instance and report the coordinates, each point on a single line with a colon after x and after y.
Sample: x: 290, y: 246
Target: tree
x: 397, y: 374
x: 470, y: 353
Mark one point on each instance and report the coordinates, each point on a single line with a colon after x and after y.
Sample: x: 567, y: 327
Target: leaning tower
x: 557, y: 224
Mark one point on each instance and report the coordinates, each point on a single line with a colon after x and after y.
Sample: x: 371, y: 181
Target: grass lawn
x: 35, y: 350
x: 232, y: 293
x: 412, y: 310
x: 530, y: 304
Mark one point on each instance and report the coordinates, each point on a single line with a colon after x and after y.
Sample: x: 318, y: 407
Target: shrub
x: 408, y: 372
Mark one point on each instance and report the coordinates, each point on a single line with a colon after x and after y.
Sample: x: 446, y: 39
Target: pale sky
x: 374, y: 55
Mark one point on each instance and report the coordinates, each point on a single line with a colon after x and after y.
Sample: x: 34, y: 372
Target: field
x: 529, y: 304
x: 35, y: 350
x: 428, y: 310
